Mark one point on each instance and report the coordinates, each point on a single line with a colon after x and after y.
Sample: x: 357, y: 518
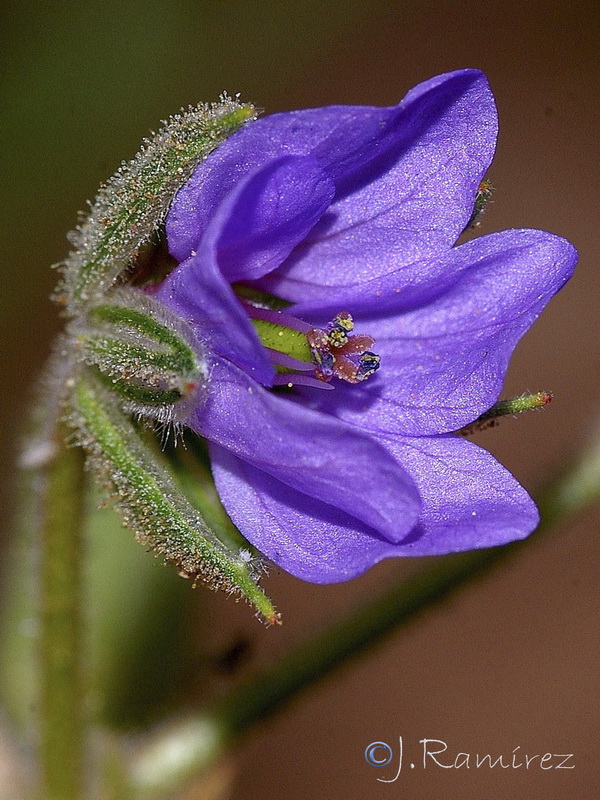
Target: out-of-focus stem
x: 172, y: 758
x: 62, y: 738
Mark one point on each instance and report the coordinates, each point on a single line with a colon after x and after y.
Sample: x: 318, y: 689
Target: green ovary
x: 284, y: 340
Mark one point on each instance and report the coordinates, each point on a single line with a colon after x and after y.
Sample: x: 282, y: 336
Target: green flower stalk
x: 133, y: 358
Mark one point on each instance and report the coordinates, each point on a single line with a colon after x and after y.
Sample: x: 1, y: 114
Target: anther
x: 339, y: 328
x: 335, y: 353
x: 368, y: 364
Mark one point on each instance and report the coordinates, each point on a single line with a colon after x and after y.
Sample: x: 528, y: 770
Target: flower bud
x: 144, y: 354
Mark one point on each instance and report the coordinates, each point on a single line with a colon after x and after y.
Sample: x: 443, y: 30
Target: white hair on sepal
x: 134, y: 202
x: 145, y: 353
x: 139, y: 481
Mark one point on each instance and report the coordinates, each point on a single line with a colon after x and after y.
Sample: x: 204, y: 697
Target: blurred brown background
x: 513, y: 661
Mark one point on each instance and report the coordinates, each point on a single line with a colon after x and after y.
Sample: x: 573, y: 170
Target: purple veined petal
x: 268, y: 138
x: 308, y: 538
x: 269, y: 212
x: 313, y: 453
x: 198, y: 292
x: 358, y: 146
x: 445, y: 331
x: 469, y: 500
x: 410, y: 202
x: 253, y: 229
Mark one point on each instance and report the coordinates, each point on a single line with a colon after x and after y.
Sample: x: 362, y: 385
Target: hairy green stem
x: 173, y: 757
x: 62, y: 739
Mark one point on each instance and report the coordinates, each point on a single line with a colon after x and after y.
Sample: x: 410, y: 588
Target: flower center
x: 296, y: 348
x: 334, y: 352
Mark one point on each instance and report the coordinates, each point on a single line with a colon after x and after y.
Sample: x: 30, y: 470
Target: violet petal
x: 198, y: 292
x: 446, y: 336
x: 469, y: 500
x: 268, y: 213
x: 309, y: 538
x: 410, y: 202
x: 406, y: 176
x: 314, y: 453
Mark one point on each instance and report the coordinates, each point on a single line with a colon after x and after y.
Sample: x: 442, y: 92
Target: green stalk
x: 62, y: 726
x: 174, y: 756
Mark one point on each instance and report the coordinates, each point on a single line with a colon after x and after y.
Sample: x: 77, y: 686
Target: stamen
x: 368, y: 364
x: 296, y: 348
x: 277, y: 317
x: 283, y: 360
x: 339, y: 328
x: 333, y: 352
x: 320, y: 353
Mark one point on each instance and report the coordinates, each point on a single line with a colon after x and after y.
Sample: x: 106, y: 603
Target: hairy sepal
x: 150, y: 503
x: 144, y: 354
x: 131, y: 205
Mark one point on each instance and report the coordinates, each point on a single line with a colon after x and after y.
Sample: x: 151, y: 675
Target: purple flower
x: 351, y: 215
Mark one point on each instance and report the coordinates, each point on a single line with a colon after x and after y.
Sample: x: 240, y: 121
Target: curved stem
x: 173, y: 757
